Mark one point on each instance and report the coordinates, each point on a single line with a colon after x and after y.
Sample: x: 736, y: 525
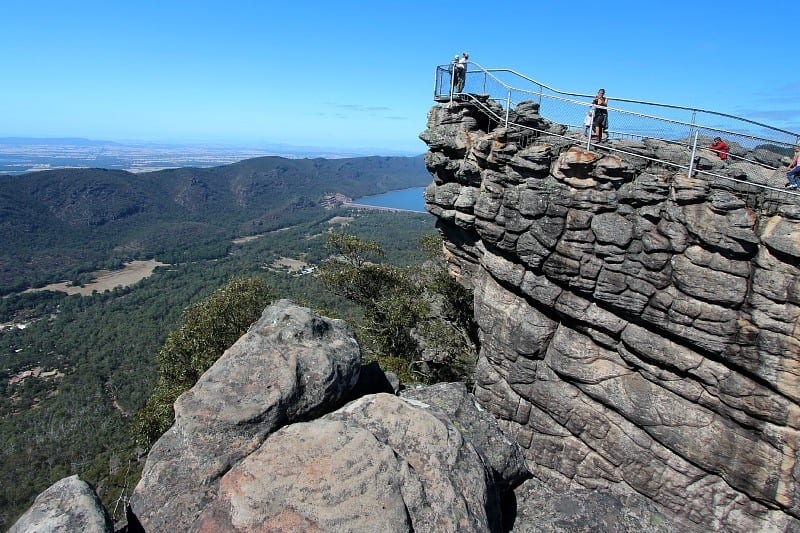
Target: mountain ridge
x: 82, y: 218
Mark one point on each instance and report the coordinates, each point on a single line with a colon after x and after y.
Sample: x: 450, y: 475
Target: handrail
x: 440, y: 91
x: 633, y: 101
x: 690, y: 171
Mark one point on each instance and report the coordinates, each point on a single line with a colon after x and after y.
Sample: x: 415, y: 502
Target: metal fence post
x: 694, y: 151
x: 591, y: 131
x: 692, y: 127
x: 508, y: 106
x: 452, y: 82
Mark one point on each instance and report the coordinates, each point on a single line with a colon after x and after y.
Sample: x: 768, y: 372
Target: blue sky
x: 359, y: 75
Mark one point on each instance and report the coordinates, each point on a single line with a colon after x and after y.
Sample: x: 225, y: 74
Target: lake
x: 406, y: 199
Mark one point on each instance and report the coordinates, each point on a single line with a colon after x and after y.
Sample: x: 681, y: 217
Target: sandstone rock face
x: 452, y: 401
x: 640, y: 329
x: 544, y: 510
x: 68, y: 505
x: 290, y: 366
x: 378, y: 464
x: 253, y: 450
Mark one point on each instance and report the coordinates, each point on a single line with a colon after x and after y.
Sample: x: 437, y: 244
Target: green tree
x: 417, y: 321
x: 209, y: 328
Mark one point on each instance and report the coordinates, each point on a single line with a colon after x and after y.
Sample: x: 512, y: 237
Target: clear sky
x: 359, y: 74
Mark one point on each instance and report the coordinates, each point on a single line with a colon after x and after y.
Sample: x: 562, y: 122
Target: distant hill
x: 62, y: 222
x: 54, y: 141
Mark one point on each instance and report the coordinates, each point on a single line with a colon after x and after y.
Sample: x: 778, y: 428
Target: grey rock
x: 612, y: 228
x: 707, y: 284
x: 780, y: 235
x: 291, y: 365
x: 638, y: 326
x: 455, y: 403
x: 66, y: 506
x: 541, y: 508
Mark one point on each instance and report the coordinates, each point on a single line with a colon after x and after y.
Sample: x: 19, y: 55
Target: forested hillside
x: 58, y: 224
x: 75, y: 369
x: 96, y: 354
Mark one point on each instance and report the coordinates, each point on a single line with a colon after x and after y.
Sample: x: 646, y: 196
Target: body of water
x: 406, y: 199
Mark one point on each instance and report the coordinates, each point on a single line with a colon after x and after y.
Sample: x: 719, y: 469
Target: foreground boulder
x: 68, y: 505
x: 378, y: 464
x: 253, y: 450
x: 291, y: 365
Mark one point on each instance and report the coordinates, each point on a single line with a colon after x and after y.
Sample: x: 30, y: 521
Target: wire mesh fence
x: 755, y: 149
x: 628, y: 119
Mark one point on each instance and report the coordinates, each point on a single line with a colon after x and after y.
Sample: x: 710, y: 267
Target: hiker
x: 454, y: 73
x: 794, y: 171
x: 461, y: 72
x: 720, y: 148
x: 600, y: 104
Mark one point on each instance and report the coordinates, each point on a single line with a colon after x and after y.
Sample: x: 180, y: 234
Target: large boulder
x: 68, y: 505
x: 380, y: 463
x: 291, y: 365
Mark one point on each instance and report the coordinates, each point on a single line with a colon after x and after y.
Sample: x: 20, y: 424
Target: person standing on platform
x: 461, y: 68
x: 600, y: 123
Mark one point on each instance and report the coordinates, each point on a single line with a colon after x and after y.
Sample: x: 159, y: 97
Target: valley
x: 102, y: 330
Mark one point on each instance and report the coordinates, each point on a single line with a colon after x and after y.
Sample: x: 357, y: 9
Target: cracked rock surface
x: 640, y: 329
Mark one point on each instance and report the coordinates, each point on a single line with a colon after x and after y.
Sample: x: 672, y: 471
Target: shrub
x: 209, y: 328
x: 417, y: 321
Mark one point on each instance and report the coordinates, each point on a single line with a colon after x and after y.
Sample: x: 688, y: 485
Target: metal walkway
x: 629, y: 118
x: 497, y: 92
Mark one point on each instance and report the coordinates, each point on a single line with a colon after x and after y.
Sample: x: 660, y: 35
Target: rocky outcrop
x: 253, y: 450
x: 68, y: 505
x: 452, y: 401
x: 639, y: 328
x: 290, y: 366
x: 429, y: 460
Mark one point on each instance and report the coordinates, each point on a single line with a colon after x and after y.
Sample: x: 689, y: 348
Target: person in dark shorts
x: 600, y: 123
x: 461, y: 72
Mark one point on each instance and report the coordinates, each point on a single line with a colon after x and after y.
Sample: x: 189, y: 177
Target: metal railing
x: 491, y: 90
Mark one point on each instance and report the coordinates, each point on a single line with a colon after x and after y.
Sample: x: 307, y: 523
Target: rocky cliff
x: 639, y: 327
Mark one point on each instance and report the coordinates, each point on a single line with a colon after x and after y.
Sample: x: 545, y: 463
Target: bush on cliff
x: 417, y: 321
x: 209, y: 328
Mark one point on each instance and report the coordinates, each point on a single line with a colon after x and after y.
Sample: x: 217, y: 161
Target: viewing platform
x: 758, y: 153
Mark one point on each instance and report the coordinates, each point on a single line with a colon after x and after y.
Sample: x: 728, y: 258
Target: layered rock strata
x: 639, y: 328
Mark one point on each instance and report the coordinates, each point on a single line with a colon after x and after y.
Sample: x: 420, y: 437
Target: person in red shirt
x: 720, y: 148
